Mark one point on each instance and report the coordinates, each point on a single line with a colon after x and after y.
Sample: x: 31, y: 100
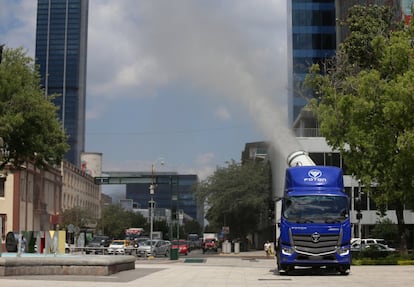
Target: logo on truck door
x: 315, y: 176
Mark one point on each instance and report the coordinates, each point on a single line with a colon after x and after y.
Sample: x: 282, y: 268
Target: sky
x: 187, y: 82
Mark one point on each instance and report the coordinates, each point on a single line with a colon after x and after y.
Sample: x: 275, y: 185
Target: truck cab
x: 315, y: 228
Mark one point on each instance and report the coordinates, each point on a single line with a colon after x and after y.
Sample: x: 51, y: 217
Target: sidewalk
x: 186, y: 271
x: 245, y: 269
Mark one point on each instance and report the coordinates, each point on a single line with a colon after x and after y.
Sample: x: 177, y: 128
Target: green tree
x: 77, y: 216
x: 29, y: 124
x: 115, y: 220
x: 237, y: 196
x: 385, y: 229
x: 364, y: 103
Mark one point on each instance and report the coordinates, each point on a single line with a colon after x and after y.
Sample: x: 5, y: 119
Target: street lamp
x: 152, y: 192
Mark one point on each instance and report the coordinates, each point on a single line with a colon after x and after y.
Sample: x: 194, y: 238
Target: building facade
x: 61, y: 48
x: 186, y: 202
x: 32, y: 199
x: 173, y: 192
x: 80, y: 190
x: 312, y: 28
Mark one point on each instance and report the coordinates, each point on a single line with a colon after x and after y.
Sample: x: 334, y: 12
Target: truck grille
x: 325, y: 244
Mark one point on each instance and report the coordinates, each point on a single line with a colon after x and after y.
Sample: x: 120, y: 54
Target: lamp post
x: 152, y: 192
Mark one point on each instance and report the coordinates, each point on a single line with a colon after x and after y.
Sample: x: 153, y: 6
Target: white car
x: 158, y: 247
x: 117, y: 247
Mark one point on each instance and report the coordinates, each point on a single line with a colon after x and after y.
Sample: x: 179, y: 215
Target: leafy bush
x: 360, y: 258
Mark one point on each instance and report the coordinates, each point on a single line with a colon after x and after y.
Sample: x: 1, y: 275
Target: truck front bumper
x: 289, y: 256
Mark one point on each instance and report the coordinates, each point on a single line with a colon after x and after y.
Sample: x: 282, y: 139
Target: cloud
x: 222, y: 113
x: 210, y: 45
x: 205, y: 158
x: 18, y: 24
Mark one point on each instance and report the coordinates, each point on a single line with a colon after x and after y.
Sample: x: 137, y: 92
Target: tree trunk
x: 402, y: 233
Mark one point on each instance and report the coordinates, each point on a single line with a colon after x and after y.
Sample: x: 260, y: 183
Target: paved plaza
x: 246, y: 269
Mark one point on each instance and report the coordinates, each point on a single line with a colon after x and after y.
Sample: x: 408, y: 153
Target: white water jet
x: 211, y: 47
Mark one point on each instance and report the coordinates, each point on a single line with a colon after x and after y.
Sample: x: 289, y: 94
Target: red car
x: 181, y: 244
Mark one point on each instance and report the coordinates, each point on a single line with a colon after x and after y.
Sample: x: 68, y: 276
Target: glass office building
x: 182, y: 187
x: 313, y: 39
x: 61, y: 48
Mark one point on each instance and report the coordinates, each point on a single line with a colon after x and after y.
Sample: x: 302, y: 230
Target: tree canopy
x: 29, y: 124
x: 364, y: 103
x: 115, y: 220
x: 78, y: 216
x: 237, y: 196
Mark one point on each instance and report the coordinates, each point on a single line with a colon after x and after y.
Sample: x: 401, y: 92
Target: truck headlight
x: 343, y: 251
x: 287, y: 251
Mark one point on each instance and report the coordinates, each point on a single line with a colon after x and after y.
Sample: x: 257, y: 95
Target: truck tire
x: 344, y: 270
x: 284, y: 269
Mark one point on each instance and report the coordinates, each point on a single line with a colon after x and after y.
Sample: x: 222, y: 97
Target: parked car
x: 139, y: 241
x: 118, y: 247
x: 182, y: 245
x: 154, y: 248
x: 379, y: 247
x: 374, y: 250
x: 97, y: 244
x: 365, y: 241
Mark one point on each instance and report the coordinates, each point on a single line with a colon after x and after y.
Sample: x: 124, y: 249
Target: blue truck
x: 315, y: 228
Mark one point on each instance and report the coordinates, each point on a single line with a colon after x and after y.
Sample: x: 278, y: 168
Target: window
x: 2, y: 187
x: 3, y: 218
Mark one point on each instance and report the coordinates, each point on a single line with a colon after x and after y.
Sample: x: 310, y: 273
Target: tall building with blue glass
x: 61, y: 48
x: 313, y: 39
x: 183, y: 185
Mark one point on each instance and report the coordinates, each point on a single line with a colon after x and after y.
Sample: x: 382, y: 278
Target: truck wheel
x: 284, y: 270
x: 344, y: 270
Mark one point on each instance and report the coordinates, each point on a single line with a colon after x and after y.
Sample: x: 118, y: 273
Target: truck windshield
x: 315, y: 208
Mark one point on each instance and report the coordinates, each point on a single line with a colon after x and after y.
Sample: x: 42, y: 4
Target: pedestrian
x: 267, y: 248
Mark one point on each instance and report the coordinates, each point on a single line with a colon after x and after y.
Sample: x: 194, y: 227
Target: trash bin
x: 174, y: 254
x: 236, y: 247
x: 12, y: 239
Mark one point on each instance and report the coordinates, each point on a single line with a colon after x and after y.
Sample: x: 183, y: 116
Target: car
x: 154, y: 248
x: 373, y: 250
x: 118, y: 247
x: 210, y: 244
x: 139, y: 241
x: 97, y: 244
x: 181, y: 245
x: 379, y: 247
x: 365, y: 241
